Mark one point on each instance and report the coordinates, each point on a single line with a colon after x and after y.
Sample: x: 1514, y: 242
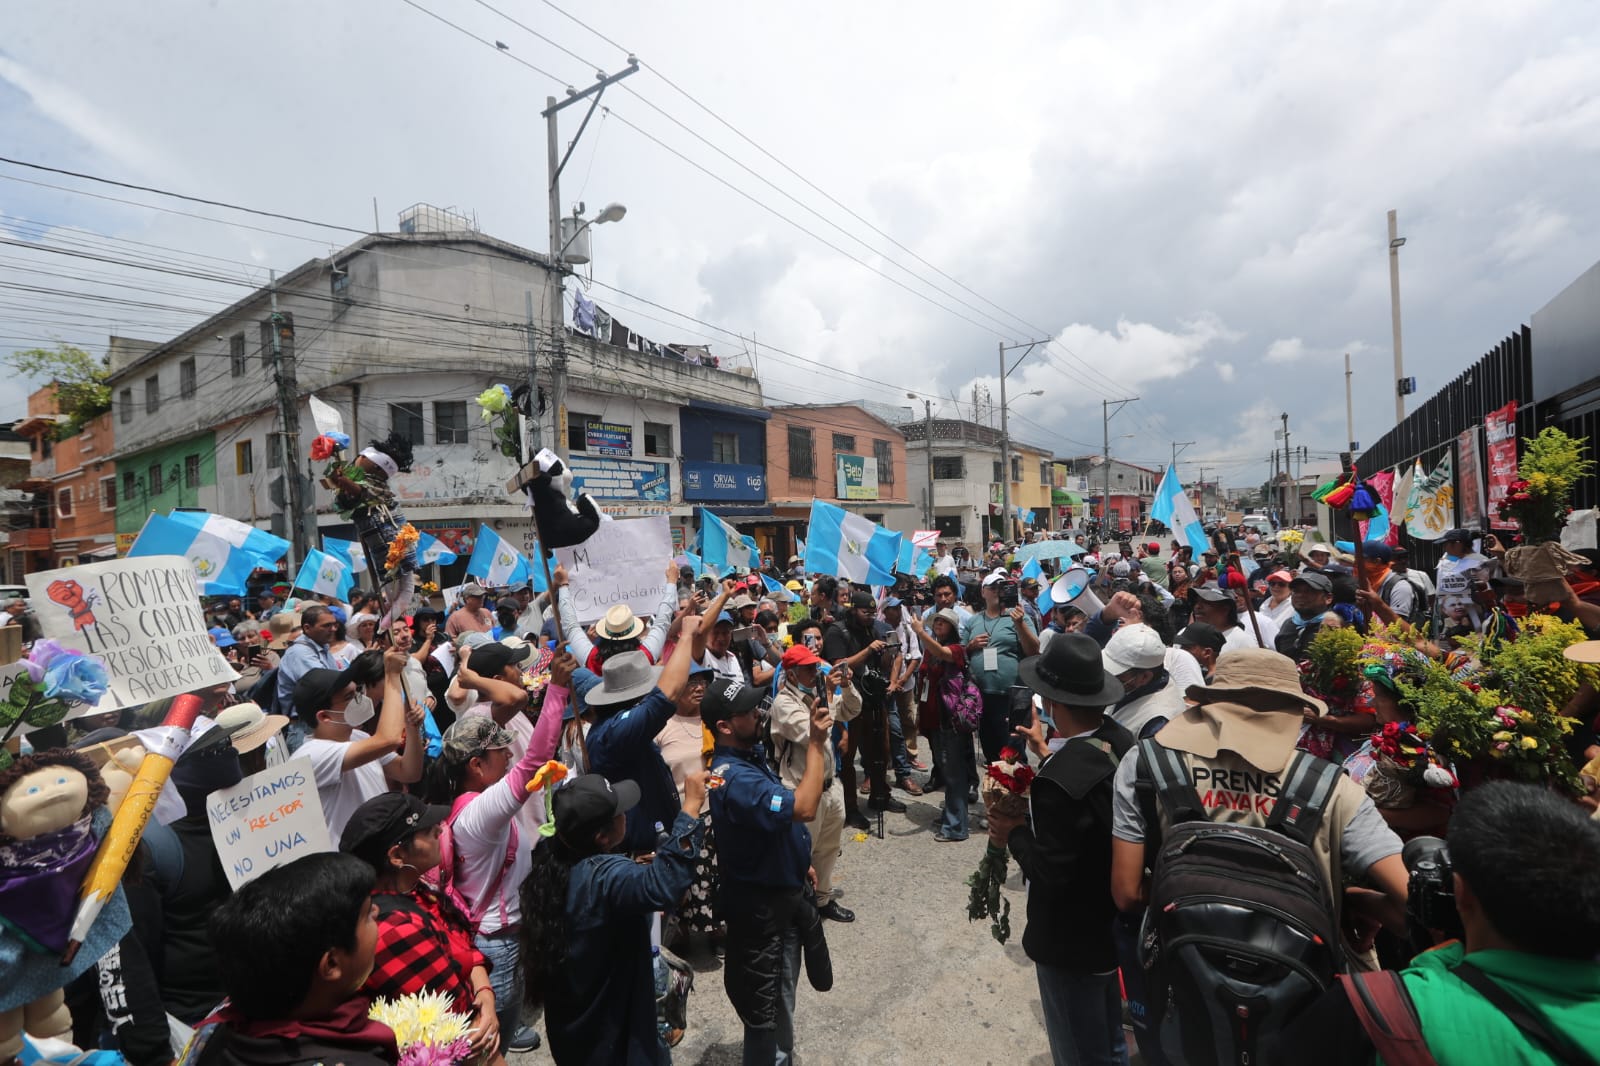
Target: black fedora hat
x: 1070, y: 671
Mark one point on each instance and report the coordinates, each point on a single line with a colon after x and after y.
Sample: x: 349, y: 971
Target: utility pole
x: 1288, y: 465
x: 1106, y: 414
x: 1178, y: 446
x: 1395, y: 242
x: 283, y: 376
x: 558, y: 162
x: 533, y: 439
x: 927, y: 423
x: 1005, y: 433
x: 1349, y: 411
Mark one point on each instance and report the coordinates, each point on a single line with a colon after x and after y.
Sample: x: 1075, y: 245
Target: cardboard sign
x: 266, y: 820
x: 624, y: 562
x: 141, y: 617
x: 1500, y: 434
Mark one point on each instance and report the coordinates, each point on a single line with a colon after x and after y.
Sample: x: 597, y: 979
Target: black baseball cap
x: 1319, y: 581
x: 587, y: 802
x: 490, y: 660
x: 727, y: 698
x: 384, y: 821
x: 1200, y: 635
x: 316, y: 689
x: 863, y: 601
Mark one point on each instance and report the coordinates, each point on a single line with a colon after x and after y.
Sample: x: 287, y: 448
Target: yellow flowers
x: 1502, y: 736
x: 1529, y: 743
x: 548, y: 774
x: 422, y: 1017
x: 403, y: 542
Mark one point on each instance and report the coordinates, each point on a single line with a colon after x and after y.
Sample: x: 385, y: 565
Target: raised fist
x: 69, y: 594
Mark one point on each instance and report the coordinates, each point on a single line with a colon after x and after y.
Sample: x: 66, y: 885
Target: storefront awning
x: 1063, y: 498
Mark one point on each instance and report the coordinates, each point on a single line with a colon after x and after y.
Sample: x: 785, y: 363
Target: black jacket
x: 1066, y: 854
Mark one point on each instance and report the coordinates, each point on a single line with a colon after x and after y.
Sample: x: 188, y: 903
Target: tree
x: 80, y: 379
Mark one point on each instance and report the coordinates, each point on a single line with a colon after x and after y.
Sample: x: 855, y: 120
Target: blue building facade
x: 724, y: 459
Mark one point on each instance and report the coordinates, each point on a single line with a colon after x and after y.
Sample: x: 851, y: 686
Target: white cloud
x: 1224, y: 371
x: 1285, y: 350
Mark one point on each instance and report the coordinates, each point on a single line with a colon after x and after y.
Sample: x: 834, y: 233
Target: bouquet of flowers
x: 429, y: 588
x: 403, y: 542
x: 427, y: 1031
x: 1005, y: 787
x: 496, y: 404
x: 53, y: 679
x: 1541, y: 497
x: 1405, y: 763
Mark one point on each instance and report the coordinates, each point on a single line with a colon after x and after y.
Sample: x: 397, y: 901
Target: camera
x: 1008, y: 595
x: 1431, y: 899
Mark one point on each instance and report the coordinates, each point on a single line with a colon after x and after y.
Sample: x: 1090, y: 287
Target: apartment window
x: 108, y: 494
x: 191, y: 471
x: 236, y: 358
x: 130, y: 485
x: 244, y: 457
x: 948, y: 468
x: 64, y: 502
x: 274, y: 447
x: 1016, y: 468
x: 997, y: 474
x: 724, y: 447
x: 152, y: 394
x: 266, y: 344
x: 186, y: 378
x: 285, y: 333
x: 125, y: 406
x: 802, y: 457
x: 339, y: 281
x: 153, y: 479
x: 1044, y: 473
x: 844, y: 442
x: 405, y: 419
x: 45, y: 445
x: 658, y: 439
x: 578, y: 430
x: 948, y: 525
x: 884, y: 453
x: 450, y: 422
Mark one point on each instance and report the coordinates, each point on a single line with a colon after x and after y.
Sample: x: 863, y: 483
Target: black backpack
x: 1419, y: 600
x: 1241, y: 933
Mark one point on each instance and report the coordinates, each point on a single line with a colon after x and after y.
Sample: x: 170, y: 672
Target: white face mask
x: 359, y: 711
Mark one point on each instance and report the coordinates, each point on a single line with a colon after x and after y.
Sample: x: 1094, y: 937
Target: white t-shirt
x: 1276, y: 613
x: 482, y: 834
x: 341, y: 790
x: 725, y: 665
x: 1243, y: 635
x: 1183, y: 669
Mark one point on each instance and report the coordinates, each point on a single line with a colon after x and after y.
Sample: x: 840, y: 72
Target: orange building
x: 75, y: 479
x: 839, y: 453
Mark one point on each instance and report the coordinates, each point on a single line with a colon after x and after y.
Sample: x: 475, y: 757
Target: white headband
x: 381, y: 461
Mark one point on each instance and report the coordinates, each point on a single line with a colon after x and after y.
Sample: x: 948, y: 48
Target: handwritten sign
x: 266, y: 820
x: 141, y: 617
x: 623, y: 562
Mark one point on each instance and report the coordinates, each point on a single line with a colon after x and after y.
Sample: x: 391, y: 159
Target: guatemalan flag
x: 324, y: 575
x: 1173, y: 509
x: 496, y: 561
x: 912, y: 559
x: 246, y: 539
x: 347, y: 552
x: 723, y: 546
x: 432, y: 550
x: 849, y: 546
x: 219, y: 568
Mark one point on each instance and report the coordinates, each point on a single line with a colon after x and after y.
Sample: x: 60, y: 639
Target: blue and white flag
x: 347, y: 552
x: 696, y: 564
x: 257, y: 543
x: 913, y: 559
x: 776, y: 590
x: 1172, y: 509
x: 432, y: 550
x: 849, y: 546
x: 219, y: 570
x: 496, y: 561
x: 1033, y: 569
x: 723, y: 546
x: 324, y: 575
x: 800, y: 550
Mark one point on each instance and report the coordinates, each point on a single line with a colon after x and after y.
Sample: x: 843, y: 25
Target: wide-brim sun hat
x: 628, y: 676
x: 1070, y: 671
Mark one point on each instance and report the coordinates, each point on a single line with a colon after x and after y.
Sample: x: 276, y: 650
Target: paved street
x: 914, y: 982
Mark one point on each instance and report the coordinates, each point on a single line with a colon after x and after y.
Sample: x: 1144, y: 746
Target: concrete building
x: 400, y: 332
x: 840, y: 453
x: 966, y: 481
x: 1133, y: 489
x: 22, y: 510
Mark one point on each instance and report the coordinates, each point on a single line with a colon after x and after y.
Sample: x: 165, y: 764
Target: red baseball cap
x: 800, y: 655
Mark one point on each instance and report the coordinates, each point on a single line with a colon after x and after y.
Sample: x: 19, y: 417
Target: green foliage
x: 1557, y: 460
x: 1336, y: 662
x: 81, y: 390
x: 984, y: 900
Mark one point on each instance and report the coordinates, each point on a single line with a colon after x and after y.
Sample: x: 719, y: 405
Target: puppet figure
x: 561, y: 522
x: 52, y: 815
x: 364, y: 495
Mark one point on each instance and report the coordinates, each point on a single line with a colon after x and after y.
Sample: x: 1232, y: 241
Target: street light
x: 612, y: 212
x: 927, y: 433
x: 1396, y: 242
x: 1005, y: 432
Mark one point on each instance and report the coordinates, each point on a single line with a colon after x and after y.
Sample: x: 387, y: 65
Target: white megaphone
x: 1071, y: 589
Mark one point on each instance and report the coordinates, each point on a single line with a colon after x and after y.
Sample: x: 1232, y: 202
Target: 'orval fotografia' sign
x: 141, y: 617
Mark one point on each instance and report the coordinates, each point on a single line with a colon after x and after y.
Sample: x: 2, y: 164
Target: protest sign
x: 1500, y: 433
x: 623, y: 562
x: 141, y: 617
x: 1469, y: 481
x: 266, y: 820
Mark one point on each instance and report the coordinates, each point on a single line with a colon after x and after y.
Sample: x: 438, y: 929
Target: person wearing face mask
x: 352, y: 765
x: 1311, y: 595
x: 424, y: 941
x: 804, y: 682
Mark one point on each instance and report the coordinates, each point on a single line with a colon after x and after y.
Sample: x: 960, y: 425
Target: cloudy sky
x: 1187, y: 200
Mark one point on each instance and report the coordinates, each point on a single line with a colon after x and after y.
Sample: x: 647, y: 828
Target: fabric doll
x: 362, y: 492
x: 52, y: 816
x: 561, y: 523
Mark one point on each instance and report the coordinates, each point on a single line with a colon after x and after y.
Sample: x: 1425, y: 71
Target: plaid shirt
x: 424, y: 944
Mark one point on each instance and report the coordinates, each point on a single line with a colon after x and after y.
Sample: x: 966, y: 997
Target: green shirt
x: 1460, y: 1025
x: 1008, y: 652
